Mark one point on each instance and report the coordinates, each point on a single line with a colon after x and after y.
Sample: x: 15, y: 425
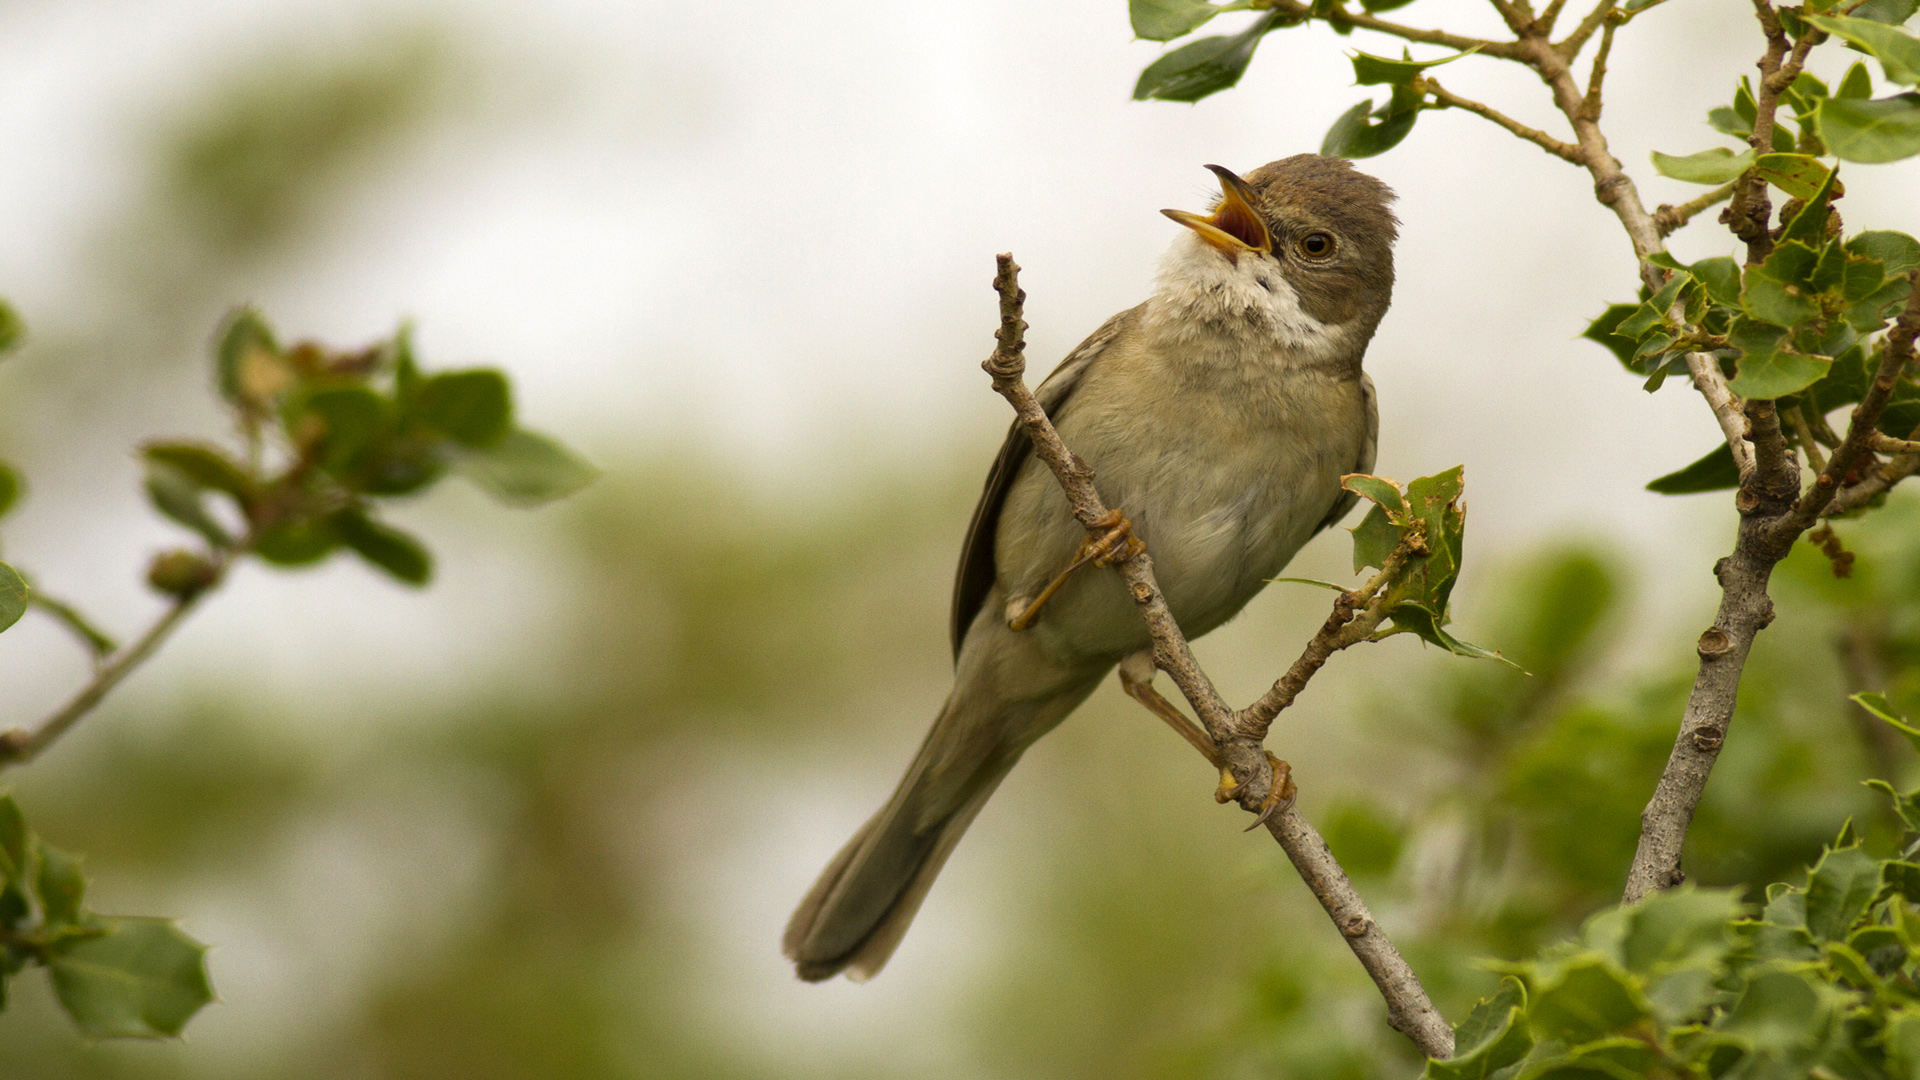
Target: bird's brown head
x: 1324, y: 222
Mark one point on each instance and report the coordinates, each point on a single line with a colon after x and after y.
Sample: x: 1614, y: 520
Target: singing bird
x: 1219, y: 416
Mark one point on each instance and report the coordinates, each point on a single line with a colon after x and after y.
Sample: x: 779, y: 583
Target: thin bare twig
x: 18, y: 746
x: 1409, y: 1009
x: 1295, y: 11
x: 1596, y: 75
x: 1574, y: 42
x: 1563, y: 150
x: 98, y: 645
x: 1670, y: 219
x: 1796, y: 420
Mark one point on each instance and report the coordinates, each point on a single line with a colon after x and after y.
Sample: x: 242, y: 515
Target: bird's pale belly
x: 1219, y: 516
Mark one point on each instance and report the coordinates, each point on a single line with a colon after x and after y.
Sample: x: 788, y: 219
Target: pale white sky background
x: 767, y: 229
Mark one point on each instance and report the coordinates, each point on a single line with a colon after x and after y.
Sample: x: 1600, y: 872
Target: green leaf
x: 1370, y: 70
x: 1891, y: 12
x: 526, y: 469
x: 1720, y: 276
x: 175, y: 495
x: 1857, y: 85
x: 206, y: 465
x: 61, y: 886
x: 1373, y: 540
x: 384, y: 546
x: 1839, y: 888
x: 473, y: 408
x: 1203, y: 67
x: 11, y: 328
x: 1587, y: 1000
x: 1884, y: 129
x: 1898, y: 53
x: 1683, y: 926
x: 14, y: 595
x: 248, y: 360
x: 1353, y: 136
x: 1809, y: 226
x: 142, y: 978
x: 1602, y: 330
x: 1493, y: 1036
x: 1905, y: 804
x: 297, y: 542
x: 1895, y: 251
x: 1768, y: 367
x: 1716, y: 166
x: 1902, y: 877
x: 10, y: 488
x: 1879, y: 706
x: 15, y: 840
x: 1164, y: 20
x: 350, y: 420
x: 1656, y: 311
x: 1383, y: 5
x: 1778, y: 1012
x: 1798, y: 175
x: 1711, y: 473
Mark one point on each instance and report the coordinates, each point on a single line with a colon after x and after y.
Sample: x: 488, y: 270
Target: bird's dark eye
x: 1315, y: 245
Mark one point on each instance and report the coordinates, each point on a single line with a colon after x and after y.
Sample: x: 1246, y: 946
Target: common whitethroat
x: 1218, y: 417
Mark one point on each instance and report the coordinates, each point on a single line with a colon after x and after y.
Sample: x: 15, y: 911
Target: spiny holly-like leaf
x: 11, y: 328
x: 1895, y: 251
x: 1203, y: 67
x: 1716, y: 166
x: 526, y: 469
x: 1656, y: 311
x: 1809, y: 226
x: 140, y: 978
x: 1164, y: 20
x: 1898, y: 52
x: 1839, y: 888
x: 1883, y: 129
x: 1720, y: 277
x: 1879, y: 706
x: 1493, y: 1036
x: 1587, y: 999
x: 1370, y: 70
x: 14, y: 596
x: 1905, y: 804
x: 1769, y: 368
x: 384, y: 546
x: 1602, y: 330
x: 1355, y: 134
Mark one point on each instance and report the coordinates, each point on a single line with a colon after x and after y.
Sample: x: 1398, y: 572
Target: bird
x: 1218, y: 417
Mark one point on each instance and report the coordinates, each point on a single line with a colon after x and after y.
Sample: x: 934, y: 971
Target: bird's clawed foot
x: 1116, y: 545
x: 1280, y: 795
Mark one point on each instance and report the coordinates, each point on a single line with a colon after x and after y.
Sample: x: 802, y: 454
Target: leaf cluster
x: 1796, y: 328
x: 329, y: 436
x: 1416, y: 535
x: 115, y: 976
x: 1690, y: 983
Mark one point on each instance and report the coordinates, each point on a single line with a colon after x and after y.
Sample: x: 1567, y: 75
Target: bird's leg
x: 1139, y: 687
x: 1116, y: 545
x: 1136, y: 678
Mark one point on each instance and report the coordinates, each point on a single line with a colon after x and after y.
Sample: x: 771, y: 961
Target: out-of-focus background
x: 546, y: 818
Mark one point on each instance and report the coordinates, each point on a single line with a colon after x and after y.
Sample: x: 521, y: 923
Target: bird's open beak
x: 1234, y: 227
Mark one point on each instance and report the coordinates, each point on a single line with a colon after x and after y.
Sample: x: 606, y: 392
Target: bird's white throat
x: 1205, y: 299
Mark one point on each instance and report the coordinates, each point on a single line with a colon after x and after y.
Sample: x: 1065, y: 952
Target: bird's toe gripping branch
x: 1116, y: 545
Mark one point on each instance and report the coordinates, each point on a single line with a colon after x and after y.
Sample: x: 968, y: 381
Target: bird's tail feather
x: 856, y: 914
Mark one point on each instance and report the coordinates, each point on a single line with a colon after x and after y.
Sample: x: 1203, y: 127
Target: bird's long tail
x: 856, y: 914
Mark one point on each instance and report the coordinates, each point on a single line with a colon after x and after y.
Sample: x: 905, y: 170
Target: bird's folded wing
x: 975, y: 577
x: 1369, y: 447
